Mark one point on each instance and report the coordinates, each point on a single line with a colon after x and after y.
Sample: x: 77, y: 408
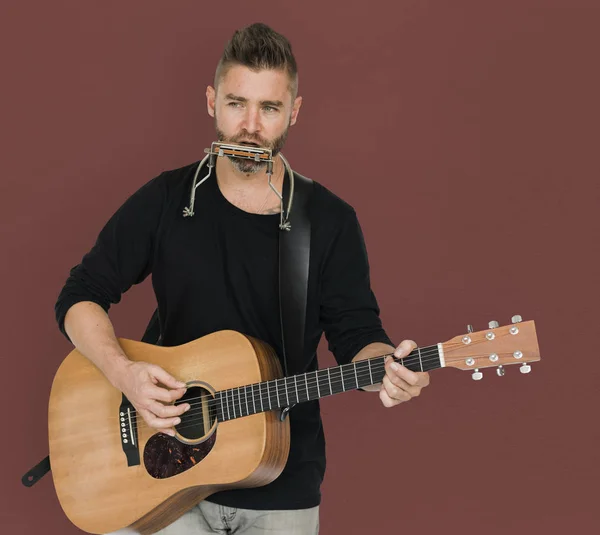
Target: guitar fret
x: 246, y: 396
x: 296, y: 387
x: 306, y: 383
x: 269, y: 394
x: 339, y: 383
x: 253, y: 404
x: 317, y: 379
x: 360, y: 366
x: 261, y: 399
x: 279, y: 402
x: 228, y: 412
x: 370, y: 372
x: 420, y: 360
x: 286, y: 391
x: 329, y: 379
x: 240, y: 401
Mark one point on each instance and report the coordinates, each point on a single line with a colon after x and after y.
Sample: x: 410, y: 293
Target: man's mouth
x: 249, y: 143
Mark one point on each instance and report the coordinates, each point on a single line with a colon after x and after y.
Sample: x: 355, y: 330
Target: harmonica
x: 240, y: 151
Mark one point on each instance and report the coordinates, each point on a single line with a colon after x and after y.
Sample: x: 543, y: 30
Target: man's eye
x: 234, y: 104
x: 269, y: 108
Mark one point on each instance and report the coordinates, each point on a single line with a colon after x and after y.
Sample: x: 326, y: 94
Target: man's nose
x: 252, y: 120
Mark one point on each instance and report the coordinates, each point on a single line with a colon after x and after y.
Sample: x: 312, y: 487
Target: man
x: 218, y: 270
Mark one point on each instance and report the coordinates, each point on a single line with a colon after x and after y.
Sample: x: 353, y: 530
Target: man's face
x: 253, y: 108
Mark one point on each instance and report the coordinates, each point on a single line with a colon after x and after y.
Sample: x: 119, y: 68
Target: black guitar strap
x: 294, y: 259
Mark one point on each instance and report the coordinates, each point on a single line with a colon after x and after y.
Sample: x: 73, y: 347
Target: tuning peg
x: 516, y: 319
x: 525, y: 368
x: 469, y: 328
x: 500, y: 371
x: 477, y: 375
x: 493, y: 324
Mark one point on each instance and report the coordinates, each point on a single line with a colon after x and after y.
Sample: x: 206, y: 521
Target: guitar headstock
x: 497, y: 346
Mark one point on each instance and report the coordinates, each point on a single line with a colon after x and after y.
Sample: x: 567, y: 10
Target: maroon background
x: 465, y: 134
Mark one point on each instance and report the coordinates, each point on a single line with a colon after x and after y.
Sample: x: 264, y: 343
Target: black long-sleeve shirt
x: 219, y: 270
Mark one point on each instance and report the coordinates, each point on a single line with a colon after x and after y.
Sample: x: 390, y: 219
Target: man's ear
x: 295, y: 110
x: 210, y: 100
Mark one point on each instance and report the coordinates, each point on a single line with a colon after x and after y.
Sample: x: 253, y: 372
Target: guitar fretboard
x: 280, y: 393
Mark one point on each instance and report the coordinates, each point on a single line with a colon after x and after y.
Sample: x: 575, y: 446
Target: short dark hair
x: 259, y: 47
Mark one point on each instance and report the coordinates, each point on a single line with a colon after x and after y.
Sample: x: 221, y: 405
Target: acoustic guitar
x: 112, y: 471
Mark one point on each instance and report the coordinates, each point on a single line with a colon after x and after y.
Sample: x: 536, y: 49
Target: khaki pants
x: 207, y: 517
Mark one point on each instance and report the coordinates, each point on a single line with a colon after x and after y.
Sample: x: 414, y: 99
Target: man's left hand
x: 401, y: 384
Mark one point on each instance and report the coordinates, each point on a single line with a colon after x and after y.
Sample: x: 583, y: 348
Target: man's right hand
x: 139, y: 381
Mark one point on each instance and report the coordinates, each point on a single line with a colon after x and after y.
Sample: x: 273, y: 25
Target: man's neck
x: 232, y: 179
x: 250, y: 191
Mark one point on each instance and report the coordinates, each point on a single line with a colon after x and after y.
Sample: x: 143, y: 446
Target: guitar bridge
x: 128, y: 432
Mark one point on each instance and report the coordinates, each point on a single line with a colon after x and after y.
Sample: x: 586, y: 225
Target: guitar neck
x: 287, y: 391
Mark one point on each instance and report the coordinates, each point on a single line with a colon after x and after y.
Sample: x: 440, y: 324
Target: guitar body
x: 100, y: 491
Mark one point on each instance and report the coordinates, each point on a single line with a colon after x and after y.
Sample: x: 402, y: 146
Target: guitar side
x: 100, y: 493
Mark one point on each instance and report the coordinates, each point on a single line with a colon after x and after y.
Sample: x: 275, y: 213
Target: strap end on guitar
x: 37, y: 472
x: 285, y: 411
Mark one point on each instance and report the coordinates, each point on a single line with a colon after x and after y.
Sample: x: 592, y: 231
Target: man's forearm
x: 370, y: 351
x: 92, y: 333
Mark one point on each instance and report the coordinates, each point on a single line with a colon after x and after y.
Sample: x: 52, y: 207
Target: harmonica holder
x: 258, y: 154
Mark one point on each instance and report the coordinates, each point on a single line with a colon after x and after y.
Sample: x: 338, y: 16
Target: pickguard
x: 165, y: 456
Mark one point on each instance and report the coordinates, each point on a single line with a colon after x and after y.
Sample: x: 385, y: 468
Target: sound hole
x: 166, y: 456
x: 198, y: 421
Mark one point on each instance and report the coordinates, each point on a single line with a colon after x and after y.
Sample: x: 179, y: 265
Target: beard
x: 251, y: 166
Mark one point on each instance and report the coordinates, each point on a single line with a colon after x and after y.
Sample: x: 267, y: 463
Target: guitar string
x: 425, y: 352
x: 336, y: 370
x: 233, y: 403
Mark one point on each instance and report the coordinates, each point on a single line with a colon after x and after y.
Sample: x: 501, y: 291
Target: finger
x: 162, y: 394
x: 402, y: 384
x: 405, y: 347
x: 422, y: 378
x: 157, y: 423
x: 166, y: 378
x: 395, y: 392
x: 386, y: 399
x: 395, y: 368
x: 166, y: 411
